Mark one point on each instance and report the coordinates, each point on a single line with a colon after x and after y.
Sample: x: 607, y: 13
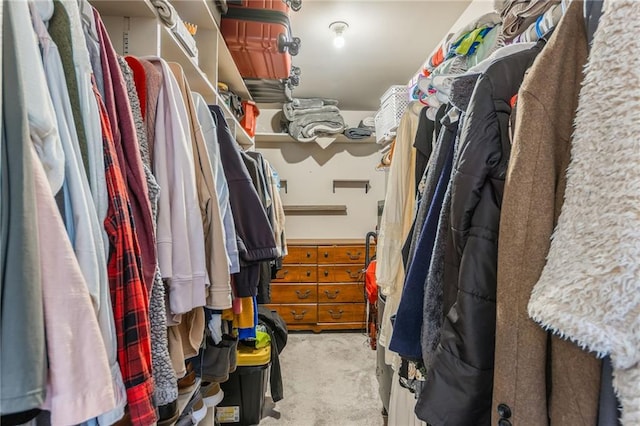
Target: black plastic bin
x: 244, y: 392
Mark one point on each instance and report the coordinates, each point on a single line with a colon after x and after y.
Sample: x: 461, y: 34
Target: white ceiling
x: 386, y: 43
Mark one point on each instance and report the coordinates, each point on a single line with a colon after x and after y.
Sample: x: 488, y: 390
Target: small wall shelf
x: 351, y: 183
x: 316, y: 210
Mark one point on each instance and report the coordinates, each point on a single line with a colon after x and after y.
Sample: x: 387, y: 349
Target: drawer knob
x: 326, y: 273
x: 326, y: 254
x: 336, y: 315
x: 353, y: 275
x: 308, y: 273
x: 331, y: 295
x: 308, y: 254
x: 304, y: 295
x: 298, y: 316
x: 354, y: 256
x: 281, y: 276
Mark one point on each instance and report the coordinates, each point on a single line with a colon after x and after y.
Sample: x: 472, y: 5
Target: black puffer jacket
x: 458, y: 390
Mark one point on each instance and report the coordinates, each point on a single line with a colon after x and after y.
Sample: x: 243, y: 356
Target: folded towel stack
x: 306, y: 119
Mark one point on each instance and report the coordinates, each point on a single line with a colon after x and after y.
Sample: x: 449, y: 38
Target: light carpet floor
x: 329, y: 380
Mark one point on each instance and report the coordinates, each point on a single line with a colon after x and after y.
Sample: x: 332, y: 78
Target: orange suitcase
x: 260, y: 40
x: 281, y: 5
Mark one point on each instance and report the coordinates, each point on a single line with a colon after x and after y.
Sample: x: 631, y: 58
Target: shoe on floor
x: 212, y: 395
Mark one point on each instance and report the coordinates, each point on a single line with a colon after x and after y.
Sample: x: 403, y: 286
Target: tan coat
x: 533, y: 197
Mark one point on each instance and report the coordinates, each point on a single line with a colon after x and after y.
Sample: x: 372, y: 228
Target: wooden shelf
x: 286, y: 138
x: 316, y: 210
x: 129, y: 8
x: 351, y: 183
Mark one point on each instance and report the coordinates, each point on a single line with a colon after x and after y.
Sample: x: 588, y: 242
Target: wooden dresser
x: 321, y: 285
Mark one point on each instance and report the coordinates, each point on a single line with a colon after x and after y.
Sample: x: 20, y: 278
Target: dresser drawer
x: 340, y: 273
x: 340, y: 293
x: 294, y: 293
x: 301, y: 254
x: 348, y: 312
x: 297, y: 274
x: 341, y: 254
x: 298, y: 314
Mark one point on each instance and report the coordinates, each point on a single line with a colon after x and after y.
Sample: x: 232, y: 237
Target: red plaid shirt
x: 128, y: 293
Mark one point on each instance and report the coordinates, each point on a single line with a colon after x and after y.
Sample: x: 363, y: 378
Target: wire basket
x: 393, y: 104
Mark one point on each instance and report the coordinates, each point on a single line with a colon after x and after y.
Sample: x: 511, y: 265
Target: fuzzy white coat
x: 589, y: 291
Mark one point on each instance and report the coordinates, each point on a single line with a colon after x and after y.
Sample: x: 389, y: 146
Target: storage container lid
x: 248, y: 357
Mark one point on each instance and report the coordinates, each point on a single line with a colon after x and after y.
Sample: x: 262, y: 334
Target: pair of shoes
x: 211, y: 393
x: 188, y: 382
x: 219, y: 360
x: 168, y: 413
x: 194, y: 412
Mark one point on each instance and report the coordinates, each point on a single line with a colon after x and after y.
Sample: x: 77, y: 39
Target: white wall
x: 310, y: 169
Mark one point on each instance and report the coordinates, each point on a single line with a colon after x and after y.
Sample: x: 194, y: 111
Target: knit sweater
x: 166, y: 386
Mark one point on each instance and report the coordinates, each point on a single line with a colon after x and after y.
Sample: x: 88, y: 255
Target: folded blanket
x: 367, y: 123
x: 301, y: 103
x: 520, y: 14
x: 357, y: 133
x: 314, y: 129
x: 331, y: 117
x: 166, y: 12
x: 293, y: 114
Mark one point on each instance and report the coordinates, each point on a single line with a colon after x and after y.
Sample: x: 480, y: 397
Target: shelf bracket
x: 351, y: 183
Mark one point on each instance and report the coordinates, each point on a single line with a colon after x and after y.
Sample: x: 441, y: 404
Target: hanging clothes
x: 222, y: 187
x: 458, y: 386
x: 82, y: 221
x: 180, y: 237
x: 533, y: 198
x: 129, y: 295
x: 126, y: 142
x: 407, y: 329
x: 165, y: 382
x: 23, y: 375
x: 589, y: 291
x: 219, y: 291
x: 255, y: 236
x: 397, y: 217
x: 79, y: 386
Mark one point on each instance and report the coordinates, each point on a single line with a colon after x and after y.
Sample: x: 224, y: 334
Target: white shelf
x: 129, y: 8
x: 286, y: 138
x: 228, y: 71
x: 242, y: 137
x: 200, y: 13
x: 173, y: 51
x: 184, y: 399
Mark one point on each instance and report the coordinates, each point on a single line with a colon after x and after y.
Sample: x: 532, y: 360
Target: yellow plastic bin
x: 245, y: 390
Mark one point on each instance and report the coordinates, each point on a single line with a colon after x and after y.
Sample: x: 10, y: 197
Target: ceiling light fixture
x: 338, y: 28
